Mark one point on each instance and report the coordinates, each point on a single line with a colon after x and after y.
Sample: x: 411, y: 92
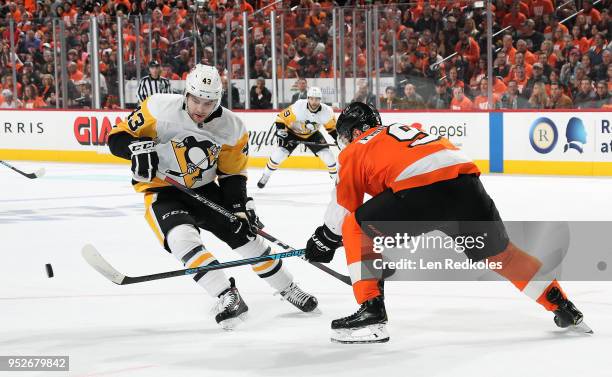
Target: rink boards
x: 522, y: 142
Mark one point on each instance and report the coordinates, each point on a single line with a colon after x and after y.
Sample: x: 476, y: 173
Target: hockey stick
x: 214, y: 206
x: 343, y: 278
x: 95, y: 260
x: 312, y: 143
x: 39, y: 173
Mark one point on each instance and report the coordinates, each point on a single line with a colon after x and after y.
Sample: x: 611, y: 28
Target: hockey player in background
x: 301, y: 122
x: 204, y: 146
x: 422, y: 178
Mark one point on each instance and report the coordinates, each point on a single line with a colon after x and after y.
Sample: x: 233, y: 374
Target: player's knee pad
x: 182, y: 239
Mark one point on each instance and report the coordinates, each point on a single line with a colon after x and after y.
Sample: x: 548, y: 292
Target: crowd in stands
x: 545, y: 55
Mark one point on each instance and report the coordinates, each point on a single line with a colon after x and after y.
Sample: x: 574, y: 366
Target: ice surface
x: 163, y: 328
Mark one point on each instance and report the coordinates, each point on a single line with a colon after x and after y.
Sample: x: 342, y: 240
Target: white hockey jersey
x: 193, y: 154
x: 303, y: 122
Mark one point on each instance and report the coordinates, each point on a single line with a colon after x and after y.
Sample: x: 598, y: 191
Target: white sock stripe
x: 150, y: 169
x: 137, y: 166
x: 364, y: 270
x: 535, y: 288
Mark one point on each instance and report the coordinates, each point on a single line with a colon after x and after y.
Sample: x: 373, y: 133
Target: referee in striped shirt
x: 153, y: 83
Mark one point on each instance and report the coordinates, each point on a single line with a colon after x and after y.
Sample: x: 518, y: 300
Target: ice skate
x: 366, y: 325
x: 567, y: 315
x: 298, y: 298
x: 263, y: 180
x: 230, y: 310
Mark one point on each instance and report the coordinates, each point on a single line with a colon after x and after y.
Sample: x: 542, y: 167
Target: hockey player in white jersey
x: 300, y: 122
x: 204, y: 146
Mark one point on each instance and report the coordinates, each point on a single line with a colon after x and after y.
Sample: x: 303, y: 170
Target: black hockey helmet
x: 357, y: 115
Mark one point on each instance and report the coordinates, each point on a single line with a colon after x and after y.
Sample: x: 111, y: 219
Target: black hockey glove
x: 282, y: 134
x: 322, y: 245
x: 144, y: 160
x: 248, y: 222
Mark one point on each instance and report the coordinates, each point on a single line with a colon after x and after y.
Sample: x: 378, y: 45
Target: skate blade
x: 231, y: 323
x: 315, y: 312
x: 582, y: 328
x: 364, y: 335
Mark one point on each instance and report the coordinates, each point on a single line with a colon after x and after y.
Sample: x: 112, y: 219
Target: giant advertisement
x: 569, y: 143
x: 77, y: 136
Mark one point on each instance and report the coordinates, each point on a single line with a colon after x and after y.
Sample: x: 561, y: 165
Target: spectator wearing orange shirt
x: 523, y: 5
x: 519, y: 62
x: 460, y: 101
x: 521, y: 46
x: 168, y: 74
x: 15, y: 12
x: 31, y: 99
x: 591, y: 14
x: 521, y: 78
x: 315, y: 17
x: 453, y: 79
x: 74, y: 73
x: 539, y: 8
x: 244, y: 6
x: 553, y: 23
x: 468, y: 48
x: 481, y: 102
x: 7, y: 83
x: 578, y: 40
x: 515, y: 18
x: 548, y: 49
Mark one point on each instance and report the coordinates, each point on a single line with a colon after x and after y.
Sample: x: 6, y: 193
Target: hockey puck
x: 49, y: 270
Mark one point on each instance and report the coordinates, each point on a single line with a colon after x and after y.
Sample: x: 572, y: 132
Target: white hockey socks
x: 277, y: 157
x: 328, y: 158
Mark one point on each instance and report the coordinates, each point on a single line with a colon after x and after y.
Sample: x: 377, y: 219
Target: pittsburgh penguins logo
x: 311, y: 126
x: 194, y: 157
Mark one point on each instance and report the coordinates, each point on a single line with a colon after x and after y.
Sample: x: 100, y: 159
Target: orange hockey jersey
x: 396, y: 157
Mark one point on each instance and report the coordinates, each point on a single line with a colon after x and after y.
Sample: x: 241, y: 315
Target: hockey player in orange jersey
x: 425, y: 179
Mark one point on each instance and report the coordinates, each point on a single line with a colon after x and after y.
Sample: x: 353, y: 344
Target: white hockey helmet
x: 203, y: 81
x: 315, y: 92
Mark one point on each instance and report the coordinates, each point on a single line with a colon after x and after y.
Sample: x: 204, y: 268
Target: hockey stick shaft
x: 312, y: 143
x: 37, y: 174
x: 96, y: 260
x: 343, y: 278
x: 232, y: 217
x: 214, y: 206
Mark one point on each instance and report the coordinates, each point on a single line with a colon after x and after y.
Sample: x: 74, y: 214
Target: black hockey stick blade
x: 95, y: 260
x: 343, y: 278
x: 39, y: 173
